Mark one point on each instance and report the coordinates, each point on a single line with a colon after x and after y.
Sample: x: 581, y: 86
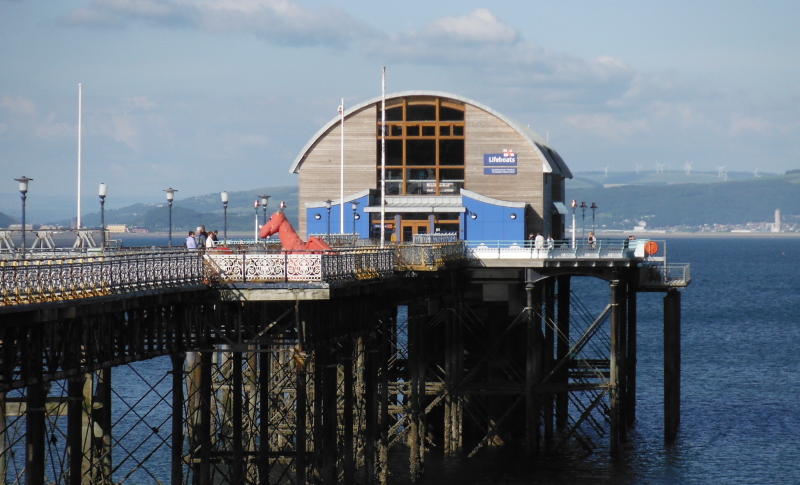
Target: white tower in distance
x: 776, y: 227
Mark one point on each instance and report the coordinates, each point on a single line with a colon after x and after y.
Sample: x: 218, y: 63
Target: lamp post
x: 102, y: 193
x: 170, y: 197
x: 583, y: 221
x: 23, y: 190
x: 328, y: 207
x: 224, y: 196
x: 355, y: 215
x: 594, y: 208
x: 573, y: 205
x: 264, y: 202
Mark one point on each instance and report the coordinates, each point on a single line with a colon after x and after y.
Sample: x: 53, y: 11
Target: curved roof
x: 552, y: 161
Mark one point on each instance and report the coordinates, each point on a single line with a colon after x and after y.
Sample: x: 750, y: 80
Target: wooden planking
x: 485, y: 133
x: 320, y: 172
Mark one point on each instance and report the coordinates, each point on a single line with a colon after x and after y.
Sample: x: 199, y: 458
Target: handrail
x: 565, y: 249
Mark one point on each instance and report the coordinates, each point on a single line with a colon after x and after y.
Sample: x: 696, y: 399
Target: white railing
x: 643, y: 249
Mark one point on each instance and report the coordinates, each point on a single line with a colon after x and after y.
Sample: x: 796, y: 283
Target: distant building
x: 776, y: 227
x: 140, y: 230
x: 117, y: 228
x: 452, y: 165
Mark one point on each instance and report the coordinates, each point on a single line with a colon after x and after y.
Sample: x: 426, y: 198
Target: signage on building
x: 500, y: 163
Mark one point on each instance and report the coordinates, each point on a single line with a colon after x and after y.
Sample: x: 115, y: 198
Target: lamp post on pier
x: 264, y: 202
x: 594, y: 208
x: 328, y: 207
x: 102, y: 193
x: 573, y: 205
x: 224, y: 197
x: 23, y: 190
x: 583, y: 221
x: 170, y: 197
x: 355, y: 215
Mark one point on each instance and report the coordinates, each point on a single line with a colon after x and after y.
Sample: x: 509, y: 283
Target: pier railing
x: 644, y: 249
x: 661, y: 276
x: 24, y: 281
x: 298, y: 266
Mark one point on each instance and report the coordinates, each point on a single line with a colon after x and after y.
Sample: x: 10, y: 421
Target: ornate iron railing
x: 427, y: 257
x: 255, y: 267
x: 66, y: 278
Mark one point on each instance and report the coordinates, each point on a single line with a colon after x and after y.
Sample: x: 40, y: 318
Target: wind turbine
x: 755, y: 172
x: 638, y: 166
x: 606, y: 169
x: 669, y: 167
x: 660, y: 167
x: 719, y: 171
x: 687, y: 167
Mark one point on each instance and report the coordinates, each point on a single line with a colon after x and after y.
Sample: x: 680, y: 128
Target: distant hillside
x: 6, y: 220
x: 694, y: 204
x: 206, y: 210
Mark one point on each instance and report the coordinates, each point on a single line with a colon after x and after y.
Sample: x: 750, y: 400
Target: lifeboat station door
x: 409, y: 228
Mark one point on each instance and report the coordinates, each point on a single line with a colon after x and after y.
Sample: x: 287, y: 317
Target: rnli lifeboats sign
x: 500, y: 163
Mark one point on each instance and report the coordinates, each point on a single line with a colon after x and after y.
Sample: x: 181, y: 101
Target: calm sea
x: 740, y: 420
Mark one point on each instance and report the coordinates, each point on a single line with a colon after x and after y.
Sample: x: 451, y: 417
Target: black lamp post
x: 355, y: 215
x: 583, y: 221
x: 102, y: 192
x: 170, y: 197
x: 23, y: 190
x: 224, y: 196
x: 264, y: 202
x: 328, y: 206
x: 594, y: 208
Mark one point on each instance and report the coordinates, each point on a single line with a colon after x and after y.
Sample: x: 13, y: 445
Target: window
x: 423, y: 136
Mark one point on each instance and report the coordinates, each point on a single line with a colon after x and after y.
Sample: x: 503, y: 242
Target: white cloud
x: 18, y: 105
x: 608, y: 127
x: 282, y: 22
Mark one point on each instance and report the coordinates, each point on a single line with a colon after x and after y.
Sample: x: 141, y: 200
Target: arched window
x: 424, y: 146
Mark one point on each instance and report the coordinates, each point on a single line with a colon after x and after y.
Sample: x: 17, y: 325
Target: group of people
x: 202, y: 239
x: 539, y: 242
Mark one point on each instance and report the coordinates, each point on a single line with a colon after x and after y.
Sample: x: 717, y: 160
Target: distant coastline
x: 663, y: 235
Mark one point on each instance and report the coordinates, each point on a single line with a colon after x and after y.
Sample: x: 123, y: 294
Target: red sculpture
x: 289, y: 238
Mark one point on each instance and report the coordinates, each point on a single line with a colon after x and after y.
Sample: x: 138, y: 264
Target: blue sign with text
x: 500, y: 163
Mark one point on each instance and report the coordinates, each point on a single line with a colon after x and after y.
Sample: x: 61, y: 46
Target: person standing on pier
x: 191, y: 243
x: 200, y: 237
x: 592, y: 240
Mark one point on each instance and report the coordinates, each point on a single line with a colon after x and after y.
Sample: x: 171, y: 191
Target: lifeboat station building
x: 452, y: 165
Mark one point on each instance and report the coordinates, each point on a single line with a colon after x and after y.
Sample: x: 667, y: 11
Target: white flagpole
x: 80, y: 108
x: 383, y: 157
x: 341, y: 182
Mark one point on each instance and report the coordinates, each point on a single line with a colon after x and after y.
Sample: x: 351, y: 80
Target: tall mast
x: 383, y: 157
x: 80, y: 108
x: 341, y: 182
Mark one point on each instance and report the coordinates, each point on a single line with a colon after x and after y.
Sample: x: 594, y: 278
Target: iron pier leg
x: 562, y: 351
x: 265, y: 374
x: 415, y: 328
x: 104, y: 421
x: 533, y: 372
x: 330, y: 414
x: 371, y: 433
x: 631, y: 359
x: 383, y: 424
x: 672, y: 364
x: 177, y: 416
x: 75, y: 428
x: 4, y: 450
x: 348, y: 413
x: 237, y: 472
x: 204, y: 428
x: 301, y: 458
x: 35, y: 433
x: 614, y: 380
x: 549, y: 350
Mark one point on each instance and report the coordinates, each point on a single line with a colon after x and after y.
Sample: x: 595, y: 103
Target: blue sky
x: 215, y: 95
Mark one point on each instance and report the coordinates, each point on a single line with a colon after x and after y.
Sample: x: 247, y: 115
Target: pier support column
x: 103, y: 425
x: 35, y: 430
x: 348, y: 412
x: 549, y: 350
x: 416, y: 433
x: 301, y: 431
x: 371, y: 433
x: 177, y: 416
x: 76, y: 429
x: 630, y: 367
x: 237, y: 467
x: 533, y: 368
x: 330, y: 423
x: 204, y: 428
x: 264, y: 380
x: 613, y: 384
x: 562, y: 351
x: 672, y: 364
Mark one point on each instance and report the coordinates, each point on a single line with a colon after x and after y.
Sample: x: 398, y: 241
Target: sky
x: 212, y: 95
